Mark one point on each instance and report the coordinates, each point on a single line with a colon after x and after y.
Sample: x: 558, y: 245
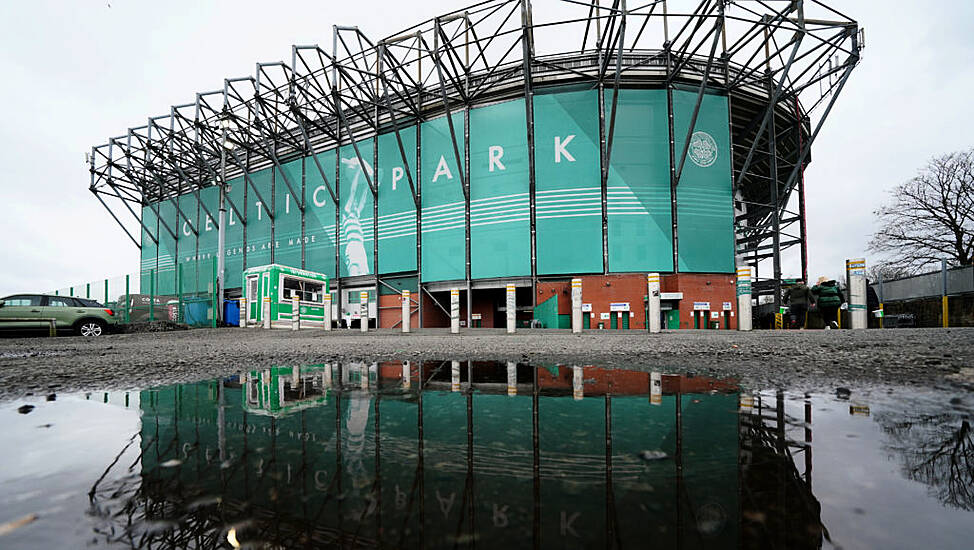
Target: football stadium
x: 501, y: 144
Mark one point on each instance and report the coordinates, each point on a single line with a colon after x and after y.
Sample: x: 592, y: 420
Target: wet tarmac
x: 464, y: 453
x: 802, y: 360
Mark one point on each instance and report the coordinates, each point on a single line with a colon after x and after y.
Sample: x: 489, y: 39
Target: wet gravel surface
x: 798, y: 360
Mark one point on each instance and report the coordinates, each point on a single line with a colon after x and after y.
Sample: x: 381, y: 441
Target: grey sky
x: 77, y: 73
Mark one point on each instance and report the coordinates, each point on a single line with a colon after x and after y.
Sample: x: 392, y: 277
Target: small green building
x: 273, y: 287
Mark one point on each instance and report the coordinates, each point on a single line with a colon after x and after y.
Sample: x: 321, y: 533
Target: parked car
x: 30, y: 312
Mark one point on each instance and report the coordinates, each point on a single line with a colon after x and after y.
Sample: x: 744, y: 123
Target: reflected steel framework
x: 782, y: 63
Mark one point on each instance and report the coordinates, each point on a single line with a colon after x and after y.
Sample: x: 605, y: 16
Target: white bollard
x: 267, y: 312
x: 295, y: 313
x: 652, y: 292
x: 455, y: 376
x: 576, y: 306
x: 364, y: 311
x: 243, y: 311
x: 455, y: 310
x: 511, y: 309
x: 744, y: 298
x: 406, y: 380
x: 655, y: 388
x: 327, y: 312
x: 856, y: 288
x: 578, y: 384
x: 405, y: 311
x: 511, y: 378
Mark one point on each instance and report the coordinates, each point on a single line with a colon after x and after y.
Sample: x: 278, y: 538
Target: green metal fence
x: 136, y: 297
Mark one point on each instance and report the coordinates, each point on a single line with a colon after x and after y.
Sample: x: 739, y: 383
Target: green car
x: 33, y: 312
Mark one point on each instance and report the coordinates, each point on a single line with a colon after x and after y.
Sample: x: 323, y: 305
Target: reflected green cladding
x: 567, y: 179
x: 638, y: 186
x: 704, y: 198
x: 500, y: 209
x: 397, y: 209
x: 444, y: 234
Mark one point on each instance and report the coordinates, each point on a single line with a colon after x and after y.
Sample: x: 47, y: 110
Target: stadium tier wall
x: 356, y: 238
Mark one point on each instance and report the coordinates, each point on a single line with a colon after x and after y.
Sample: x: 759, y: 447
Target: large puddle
x: 459, y: 454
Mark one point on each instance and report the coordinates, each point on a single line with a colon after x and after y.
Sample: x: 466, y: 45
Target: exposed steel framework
x: 782, y: 63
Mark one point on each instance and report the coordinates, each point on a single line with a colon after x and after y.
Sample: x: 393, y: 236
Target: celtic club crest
x: 703, y: 149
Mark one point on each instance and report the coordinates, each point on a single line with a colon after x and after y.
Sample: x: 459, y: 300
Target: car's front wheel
x: 90, y: 328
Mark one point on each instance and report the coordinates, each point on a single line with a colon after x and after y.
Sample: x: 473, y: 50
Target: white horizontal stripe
x: 442, y: 229
x: 385, y: 237
x: 587, y: 194
x: 397, y: 226
x: 443, y: 206
x: 572, y: 189
x: 503, y: 208
x: 500, y: 204
x: 499, y: 197
x: 523, y: 219
x: 403, y: 214
x: 587, y: 200
x: 442, y: 223
x: 484, y: 218
x: 554, y: 210
x: 569, y: 216
x: 443, y: 218
x: 392, y: 234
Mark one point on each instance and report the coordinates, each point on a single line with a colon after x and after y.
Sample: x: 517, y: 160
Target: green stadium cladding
x: 437, y: 159
x: 568, y: 200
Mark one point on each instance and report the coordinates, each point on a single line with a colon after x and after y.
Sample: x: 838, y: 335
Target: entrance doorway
x: 673, y: 319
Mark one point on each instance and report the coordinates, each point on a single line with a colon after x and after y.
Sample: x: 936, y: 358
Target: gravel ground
x: 797, y: 360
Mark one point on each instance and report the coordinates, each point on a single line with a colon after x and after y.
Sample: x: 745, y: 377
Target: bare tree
x: 885, y: 272
x: 937, y: 452
x: 931, y: 217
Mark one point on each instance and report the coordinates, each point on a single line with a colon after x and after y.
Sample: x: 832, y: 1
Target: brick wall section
x: 715, y: 288
x: 598, y: 290
x: 602, y: 290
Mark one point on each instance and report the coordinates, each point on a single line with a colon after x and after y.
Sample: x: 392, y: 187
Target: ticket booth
x: 269, y: 292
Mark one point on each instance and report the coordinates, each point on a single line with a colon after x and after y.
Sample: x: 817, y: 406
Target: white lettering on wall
x: 560, y: 148
x: 186, y: 228
x: 287, y: 203
x: 442, y: 169
x: 231, y: 218
x: 259, y: 209
x: 314, y: 196
x: 397, y: 174
x: 494, y: 155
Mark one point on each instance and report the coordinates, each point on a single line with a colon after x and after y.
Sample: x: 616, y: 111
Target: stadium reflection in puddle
x: 460, y: 454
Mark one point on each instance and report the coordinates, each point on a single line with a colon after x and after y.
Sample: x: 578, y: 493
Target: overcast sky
x: 77, y: 73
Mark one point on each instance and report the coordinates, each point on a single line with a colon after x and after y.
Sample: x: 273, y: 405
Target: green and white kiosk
x: 270, y: 291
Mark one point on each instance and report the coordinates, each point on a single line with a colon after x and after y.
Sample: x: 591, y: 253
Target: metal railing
x: 185, y: 293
